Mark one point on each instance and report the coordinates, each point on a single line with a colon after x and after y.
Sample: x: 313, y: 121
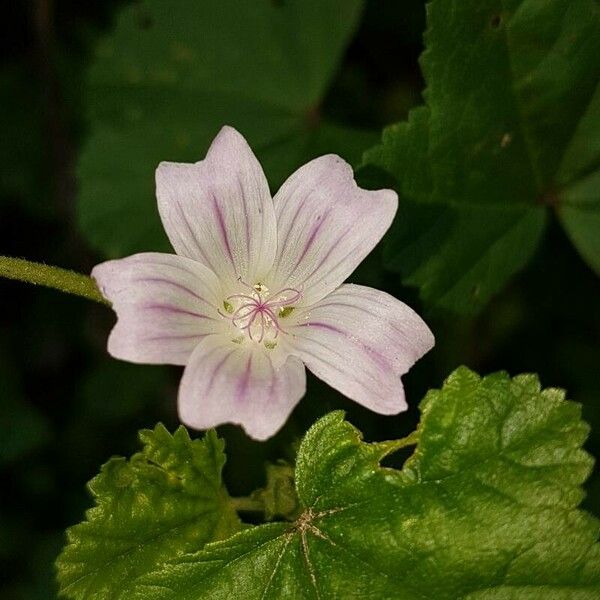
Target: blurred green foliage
x: 171, y: 74
x: 67, y: 406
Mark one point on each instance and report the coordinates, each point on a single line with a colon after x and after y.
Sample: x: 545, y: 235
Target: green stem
x: 247, y: 504
x: 412, y: 439
x: 52, y: 277
x: 392, y: 446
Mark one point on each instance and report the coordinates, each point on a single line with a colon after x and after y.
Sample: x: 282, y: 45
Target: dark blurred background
x: 66, y: 406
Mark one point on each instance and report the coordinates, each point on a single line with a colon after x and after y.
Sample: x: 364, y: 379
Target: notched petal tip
x: 258, y: 433
x: 239, y: 386
x: 165, y: 304
x: 327, y: 224
x: 336, y: 165
x: 219, y: 211
x: 361, y: 341
x: 227, y: 137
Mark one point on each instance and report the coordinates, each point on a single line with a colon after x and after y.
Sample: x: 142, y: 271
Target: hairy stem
x: 63, y: 280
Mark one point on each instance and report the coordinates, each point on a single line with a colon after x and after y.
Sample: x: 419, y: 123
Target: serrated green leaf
x: 166, y: 500
x: 486, y: 508
x: 509, y: 131
x: 171, y: 74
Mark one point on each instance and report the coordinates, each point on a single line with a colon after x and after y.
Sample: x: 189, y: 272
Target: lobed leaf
x: 485, y: 508
x: 509, y: 132
x: 166, y: 500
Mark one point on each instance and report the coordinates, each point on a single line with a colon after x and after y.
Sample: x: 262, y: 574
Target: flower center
x: 257, y: 313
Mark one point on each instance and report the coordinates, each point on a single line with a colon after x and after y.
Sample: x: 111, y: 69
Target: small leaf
x: 509, y: 133
x: 485, y: 508
x: 278, y: 497
x: 166, y: 500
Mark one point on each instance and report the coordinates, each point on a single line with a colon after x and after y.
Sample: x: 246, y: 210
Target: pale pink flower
x: 255, y: 291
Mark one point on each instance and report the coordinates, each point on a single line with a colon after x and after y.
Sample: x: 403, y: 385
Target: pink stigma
x: 257, y: 313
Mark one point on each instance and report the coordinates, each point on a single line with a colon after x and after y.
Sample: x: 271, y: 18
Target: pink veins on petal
x: 210, y: 306
x: 256, y: 312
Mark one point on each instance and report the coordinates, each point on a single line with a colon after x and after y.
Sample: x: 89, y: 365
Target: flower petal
x: 219, y: 211
x: 360, y: 340
x: 232, y: 383
x: 326, y: 225
x: 165, y: 305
